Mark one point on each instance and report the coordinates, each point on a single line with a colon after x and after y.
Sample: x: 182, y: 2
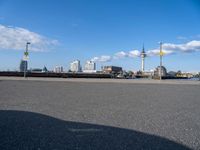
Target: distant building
x: 58, y: 69
x: 90, y: 67
x: 112, y: 69
x: 185, y: 74
x: 172, y: 73
x: 36, y: 70
x: 148, y: 73
x: 163, y: 71
x: 23, y: 65
x: 75, y: 66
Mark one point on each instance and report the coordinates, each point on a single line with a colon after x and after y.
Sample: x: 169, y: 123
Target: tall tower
x: 143, y: 55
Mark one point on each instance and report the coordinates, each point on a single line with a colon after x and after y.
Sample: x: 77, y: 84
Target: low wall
x: 56, y: 75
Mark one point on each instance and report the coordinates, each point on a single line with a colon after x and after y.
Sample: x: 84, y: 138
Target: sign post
x: 25, y: 58
x: 161, y: 55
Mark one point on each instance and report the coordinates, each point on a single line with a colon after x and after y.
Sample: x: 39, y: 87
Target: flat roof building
x: 58, y: 69
x: 112, y: 69
x: 75, y: 66
x: 90, y: 67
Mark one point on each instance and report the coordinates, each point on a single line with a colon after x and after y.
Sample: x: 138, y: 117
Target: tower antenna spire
x: 143, y: 47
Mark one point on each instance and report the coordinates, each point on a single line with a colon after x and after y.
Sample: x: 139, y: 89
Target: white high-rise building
x: 90, y: 67
x: 75, y: 66
x: 58, y: 69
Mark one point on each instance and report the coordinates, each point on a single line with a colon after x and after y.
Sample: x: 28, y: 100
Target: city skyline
x: 107, y: 32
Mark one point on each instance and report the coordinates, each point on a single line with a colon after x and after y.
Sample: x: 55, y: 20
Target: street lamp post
x: 26, y: 59
x: 199, y: 76
x: 161, y: 54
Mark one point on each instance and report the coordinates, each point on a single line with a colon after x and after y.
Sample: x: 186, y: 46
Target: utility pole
x: 199, y: 76
x: 161, y: 54
x: 26, y: 59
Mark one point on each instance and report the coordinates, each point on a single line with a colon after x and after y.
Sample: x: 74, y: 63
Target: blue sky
x: 111, y: 32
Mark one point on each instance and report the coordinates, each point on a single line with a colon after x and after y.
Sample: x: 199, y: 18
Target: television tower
x: 143, y: 55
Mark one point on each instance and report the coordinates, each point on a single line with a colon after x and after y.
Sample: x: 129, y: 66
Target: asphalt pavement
x: 98, y: 115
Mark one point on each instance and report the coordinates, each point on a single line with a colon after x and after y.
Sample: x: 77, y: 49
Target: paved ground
x: 99, y: 115
x: 129, y: 81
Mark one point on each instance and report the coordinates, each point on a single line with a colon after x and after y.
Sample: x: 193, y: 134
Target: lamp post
x: 199, y: 76
x: 26, y: 59
x: 161, y: 55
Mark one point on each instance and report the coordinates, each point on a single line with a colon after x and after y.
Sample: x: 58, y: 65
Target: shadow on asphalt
x: 32, y: 131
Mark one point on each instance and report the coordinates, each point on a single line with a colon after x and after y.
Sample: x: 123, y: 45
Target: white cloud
x: 167, y: 48
x: 120, y: 54
x: 134, y: 53
x: 156, y: 52
x: 186, y: 47
x: 103, y: 58
x: 15, y: 38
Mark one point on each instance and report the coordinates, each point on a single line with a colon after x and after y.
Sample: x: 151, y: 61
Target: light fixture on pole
x: 26, y: 59
x: 161, y: 55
